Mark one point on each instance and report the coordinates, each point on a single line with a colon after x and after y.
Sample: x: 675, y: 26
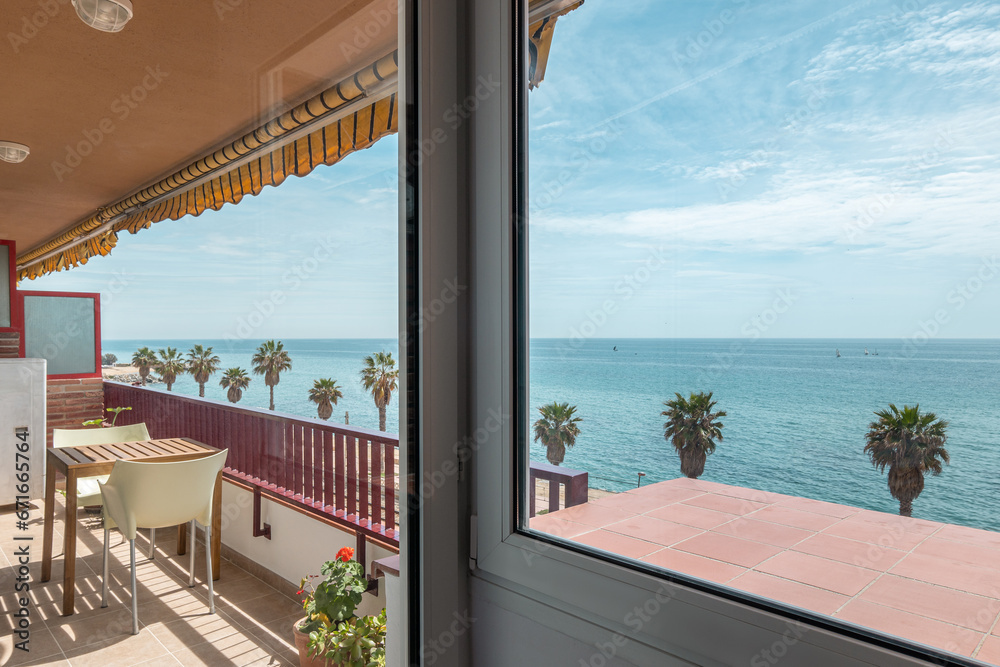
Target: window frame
x: 540, y: 572
x: 16, y: 308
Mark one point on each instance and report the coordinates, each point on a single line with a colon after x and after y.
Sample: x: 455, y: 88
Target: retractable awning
x: 349, y: 116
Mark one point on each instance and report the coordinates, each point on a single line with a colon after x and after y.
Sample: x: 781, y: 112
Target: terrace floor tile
x: 664, y: 533
x: 963, y: 552
x: 617, y: 543
x: 727, y: 504
x: 949, y: 573
x: 819, y: 572
x: 911, y: 626
x: 691, y: 516
x: 558, y: 527
x: 594, y: 515
x: 990, y: 650
x: 729, y: 549
x: 693, y: 565
x: 788, y: 516
x: 763, y: 531
x: 941, y: 604
x: 852, y: 552
x: 790, y: 592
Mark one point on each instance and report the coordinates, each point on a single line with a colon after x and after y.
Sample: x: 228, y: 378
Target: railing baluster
x: 340, y: 463
x: 352, y: 478
x: 317, y: 463
x: 376, y: 485
x: 390, y: 485
x: 329, y: 465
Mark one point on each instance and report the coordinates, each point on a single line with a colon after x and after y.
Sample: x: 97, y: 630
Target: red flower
x: 345, y: 554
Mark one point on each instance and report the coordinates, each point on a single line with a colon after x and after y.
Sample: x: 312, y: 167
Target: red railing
x: 346, y: 474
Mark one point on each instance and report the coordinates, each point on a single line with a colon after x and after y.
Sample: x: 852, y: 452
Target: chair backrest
x: 75, y: 437
x: 155, y: 495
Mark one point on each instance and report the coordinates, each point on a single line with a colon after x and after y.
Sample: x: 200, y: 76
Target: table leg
x: 217, y: 528
x: 69, y: 551
x: 50, y: 517
x: 182, y: 531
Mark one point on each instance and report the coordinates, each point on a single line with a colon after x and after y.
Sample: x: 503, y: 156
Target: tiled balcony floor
x: 929, y: 582
x: 251, y: 626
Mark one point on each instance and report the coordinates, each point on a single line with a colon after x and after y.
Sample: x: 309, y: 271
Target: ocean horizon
x: 796, y: 413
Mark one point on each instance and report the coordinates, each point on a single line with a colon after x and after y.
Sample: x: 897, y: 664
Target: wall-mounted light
x: 105, y: 15
x: 13, y: 152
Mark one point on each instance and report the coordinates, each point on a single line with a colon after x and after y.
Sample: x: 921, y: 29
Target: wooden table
x: 93, y: 460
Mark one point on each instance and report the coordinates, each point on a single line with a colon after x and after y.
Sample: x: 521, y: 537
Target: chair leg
x: 208, y: 560
x: 152, y: 543
x: 135, y: 606
x: 191, y: 543
x: 104, y: 585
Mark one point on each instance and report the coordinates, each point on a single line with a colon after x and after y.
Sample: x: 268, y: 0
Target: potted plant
x: 331, y: 635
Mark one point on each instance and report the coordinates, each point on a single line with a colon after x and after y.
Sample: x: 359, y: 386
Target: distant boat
x: 616, y: 348
x: 838, y: 353
x: 866, y: 351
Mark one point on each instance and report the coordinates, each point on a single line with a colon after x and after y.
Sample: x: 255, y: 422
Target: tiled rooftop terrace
x: 929, y: 582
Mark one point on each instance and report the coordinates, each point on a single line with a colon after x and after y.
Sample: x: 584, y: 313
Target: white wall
x: 299, y: 544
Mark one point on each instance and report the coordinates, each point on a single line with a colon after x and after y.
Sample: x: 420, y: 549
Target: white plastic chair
x: 88, y: 491
x: 157, y: 495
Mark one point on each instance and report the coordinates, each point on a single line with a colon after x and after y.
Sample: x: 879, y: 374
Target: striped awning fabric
x: 347, y: 117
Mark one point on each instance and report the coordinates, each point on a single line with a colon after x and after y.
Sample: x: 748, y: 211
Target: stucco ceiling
x: 106, y: 114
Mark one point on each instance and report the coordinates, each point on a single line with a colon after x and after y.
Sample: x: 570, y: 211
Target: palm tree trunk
x: 381, y: 418
x: 271, y: 387
x: 201, y: 389
x: 906, y: 507
x: 169, y: 385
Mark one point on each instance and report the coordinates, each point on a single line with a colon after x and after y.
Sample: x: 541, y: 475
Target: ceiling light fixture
x: 13, y: 152
x: 104, y: 15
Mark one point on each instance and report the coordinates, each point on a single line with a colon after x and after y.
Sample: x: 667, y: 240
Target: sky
x: 711, y: 169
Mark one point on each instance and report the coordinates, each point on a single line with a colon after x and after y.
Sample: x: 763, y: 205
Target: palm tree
x: 202, y: 364
x: 170, y: 365
x: 557, y: 429
x: 910, y: 444
x: 379, y: 377
x: 144, y: 359
x: 693, y: 428
x: 271, y: 360
x: 235, y: 380
x: 324, y: 394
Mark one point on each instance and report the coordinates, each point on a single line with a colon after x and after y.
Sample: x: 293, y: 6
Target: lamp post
x: 639, y: 483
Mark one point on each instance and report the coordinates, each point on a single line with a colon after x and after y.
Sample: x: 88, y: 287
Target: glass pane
x: 760, y: 237
x: 61, y: 330
x: 4, y: 286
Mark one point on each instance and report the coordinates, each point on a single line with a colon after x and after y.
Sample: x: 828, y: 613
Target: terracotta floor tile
x: 819, y: 572
x: 989, y: 652
x: 790, y: 592
x: 765, y: 497
x: 895, y: 536
x: 666, y: 493
x: 664, y: 533
x: 729, y: 549
x: 635, y: 503
x: 911, y: 626
x: 728, y: 504
x: 852, y: 552
x: 691, y: 516
x: 818, y: 507
x: 693, y: 565
x: 553, y: 525
x: 950, y: 573
x: 592, y: 514
x: 763, y: 531
x: 162, y: 661
x: 983, y: 538
x: 937, y: 602
x: 795, y: 518
x: 237, y: 650
x: 617, y: 543
x: 187, y: 632
x: 960, y: 551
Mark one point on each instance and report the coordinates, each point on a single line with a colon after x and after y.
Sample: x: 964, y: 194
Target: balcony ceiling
x: 107, y: 114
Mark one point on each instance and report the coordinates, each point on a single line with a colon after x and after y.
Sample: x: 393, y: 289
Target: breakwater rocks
x: 130, y: 378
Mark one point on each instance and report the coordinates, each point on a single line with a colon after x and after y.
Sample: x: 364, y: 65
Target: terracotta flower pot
x: 302, y: 643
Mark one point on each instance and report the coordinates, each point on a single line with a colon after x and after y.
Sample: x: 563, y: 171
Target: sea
x: 796, y: 413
